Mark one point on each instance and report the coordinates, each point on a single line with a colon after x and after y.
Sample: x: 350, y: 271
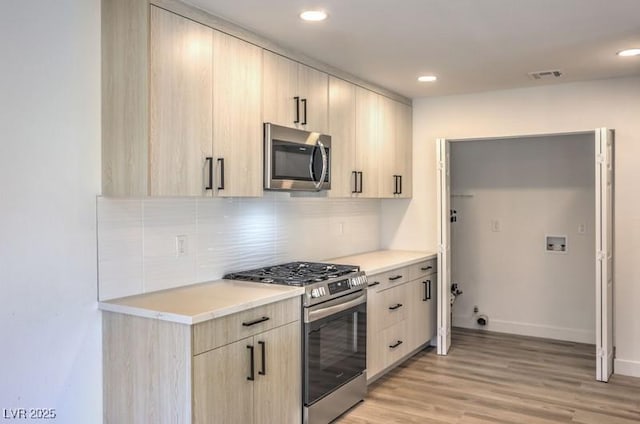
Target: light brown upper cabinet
x: 181, y: 103
x: 202, y: 110
x: 370, y: 142
x: 404, y: 149
x: 294, y: 95
x: 367, y: 142
x: 237, y: 123
x: 342, y: 127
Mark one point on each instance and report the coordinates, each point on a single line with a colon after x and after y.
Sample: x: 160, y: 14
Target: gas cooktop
x: 294, y: 273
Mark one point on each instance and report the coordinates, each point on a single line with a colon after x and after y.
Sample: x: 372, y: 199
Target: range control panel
x: 358, y: 281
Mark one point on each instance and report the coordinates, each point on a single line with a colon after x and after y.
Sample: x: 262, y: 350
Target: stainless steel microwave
x: 296, y: 159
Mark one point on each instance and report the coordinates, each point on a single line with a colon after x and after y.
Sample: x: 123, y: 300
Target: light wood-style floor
x: 497, y: 378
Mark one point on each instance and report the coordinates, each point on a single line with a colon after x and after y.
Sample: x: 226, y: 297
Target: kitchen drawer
x: 394, y: 304
x: 221, y: 331
x: 387, y: 279
x: 421, y: 269
x: 395, y: 343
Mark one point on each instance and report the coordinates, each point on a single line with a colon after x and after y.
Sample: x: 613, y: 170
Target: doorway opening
x: 525, y: 228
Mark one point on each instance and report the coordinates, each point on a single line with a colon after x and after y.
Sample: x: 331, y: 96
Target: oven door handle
x: 314, y: 315
x: 323, y: 152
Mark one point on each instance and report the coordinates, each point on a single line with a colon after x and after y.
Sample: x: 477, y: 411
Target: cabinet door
x: 313, y: 89
x: 342, y: 127
x: 387, y: 147
x: 180, y: 96
x: 367, y: 141
x: 404, y: 148
x: 278, y: 385
x: 421, y: 312
x: 221, y: 391
x: 280, y: 86
x: 237, y: 121
x: 374, y: 333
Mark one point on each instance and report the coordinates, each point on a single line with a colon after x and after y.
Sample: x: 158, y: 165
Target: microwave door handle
x: 318, y: 184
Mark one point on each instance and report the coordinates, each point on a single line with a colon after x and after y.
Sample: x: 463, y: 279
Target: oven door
x: 335, y: 344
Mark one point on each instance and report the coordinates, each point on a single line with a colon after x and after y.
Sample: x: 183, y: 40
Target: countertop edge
x: 401, y: 264
x: 202, y: 317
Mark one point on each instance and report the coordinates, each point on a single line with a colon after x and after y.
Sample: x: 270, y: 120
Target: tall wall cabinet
x: 184, y: 104
x: 199, y: 97
x: 371, y: 142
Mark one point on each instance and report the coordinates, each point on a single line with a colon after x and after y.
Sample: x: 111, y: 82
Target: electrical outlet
x: 582, y: 228
x: 182, y: 247
x: 476, y: 309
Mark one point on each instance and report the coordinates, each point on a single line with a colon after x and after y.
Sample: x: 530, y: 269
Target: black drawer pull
x: 209, y: 160
x: 375, y: 283
x: 253, y: 371
x: 426, y: 268
x: 297, y: 100
x: 254, y: 322
x: 394, y: 307
x: 395, y: 345
x: 397, y: 277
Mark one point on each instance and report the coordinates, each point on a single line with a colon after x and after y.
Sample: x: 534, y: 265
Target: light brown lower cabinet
x: 401, y: 313
x: 246, y: 371
x: 254, y: 380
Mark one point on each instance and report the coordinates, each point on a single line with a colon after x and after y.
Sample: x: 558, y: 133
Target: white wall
x: 50, y: 173
x: 509, y: 194
x: 137, y: 238
x: 541, y: 110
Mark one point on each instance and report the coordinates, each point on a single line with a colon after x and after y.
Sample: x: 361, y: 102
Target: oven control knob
x: 315, y: 293
x: 322, y: 292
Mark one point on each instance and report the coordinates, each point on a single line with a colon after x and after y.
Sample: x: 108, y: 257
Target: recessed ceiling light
x: 629, y: 52
x: 427, y: 78
x: 313, y: 15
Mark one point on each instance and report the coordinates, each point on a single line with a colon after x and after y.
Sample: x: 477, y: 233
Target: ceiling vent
x: 542, y: 75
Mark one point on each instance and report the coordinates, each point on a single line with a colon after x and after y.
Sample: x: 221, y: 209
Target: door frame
x: 604, y: 235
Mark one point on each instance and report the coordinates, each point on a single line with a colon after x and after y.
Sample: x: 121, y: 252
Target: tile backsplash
x: 137, y: 250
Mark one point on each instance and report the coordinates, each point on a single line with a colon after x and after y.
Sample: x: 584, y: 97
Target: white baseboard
x: 527, y: 329
x: 626, y: 367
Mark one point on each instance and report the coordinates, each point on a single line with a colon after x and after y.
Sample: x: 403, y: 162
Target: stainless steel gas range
x: 334, y: 353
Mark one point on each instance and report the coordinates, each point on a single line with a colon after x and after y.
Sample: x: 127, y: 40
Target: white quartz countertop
x: 384, y: 260
x: 201, y: 302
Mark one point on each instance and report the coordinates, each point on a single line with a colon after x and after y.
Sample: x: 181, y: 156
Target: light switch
x: 182, y: 247
x: 495, y: 225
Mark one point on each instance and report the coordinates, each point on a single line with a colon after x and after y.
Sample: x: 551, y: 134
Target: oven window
x: 335, y: 352
x: 290, y: 161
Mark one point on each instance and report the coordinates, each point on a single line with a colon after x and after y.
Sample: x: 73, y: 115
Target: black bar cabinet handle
x: 397, y: 277
x: 395, y: 345
x: 254, y: 322
x: 253, y: 371
x: 426, y: 290
x: 400, y: 178
x: 210, y: 161
x: 355, y: 181
x: 360, y: 189
x: 396, y: 306
x: 426, y: 268
x: 375, y: 283
x: 304, y: 110
x: 395, y: 184
x: 264, y: 362
x: 297, y: 99
x: 429, y: 285
x: 221, y: 184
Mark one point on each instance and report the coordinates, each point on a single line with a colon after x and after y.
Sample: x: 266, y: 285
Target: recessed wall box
x: 556, y: 244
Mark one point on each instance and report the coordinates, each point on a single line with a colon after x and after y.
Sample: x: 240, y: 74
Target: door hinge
x: 440, y: 165
x: 443, y: 331
x: 441, y: 248
x: 600, y: 158
x: 600, y: 352
x: 600, y: 255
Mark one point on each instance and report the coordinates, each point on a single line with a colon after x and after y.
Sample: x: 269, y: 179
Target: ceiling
x: 471, y: 45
